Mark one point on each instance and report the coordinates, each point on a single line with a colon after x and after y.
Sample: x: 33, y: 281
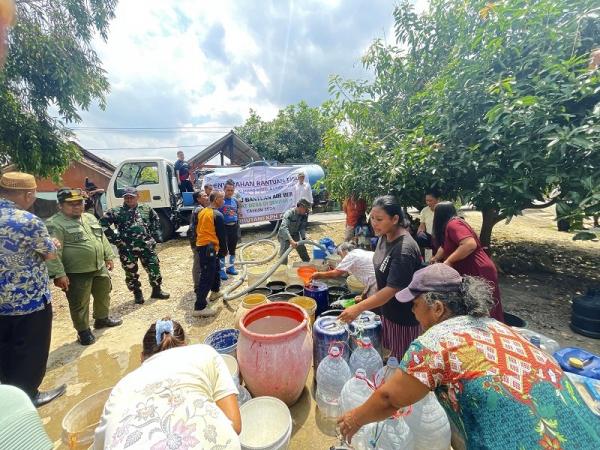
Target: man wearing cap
x: 83, y: 262
x: 136, y: 235
x: 302, y: 190
x: 25, y: 308
x: 293, y: 229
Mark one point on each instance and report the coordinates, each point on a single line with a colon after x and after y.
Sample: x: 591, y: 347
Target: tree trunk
x: 490, y: 218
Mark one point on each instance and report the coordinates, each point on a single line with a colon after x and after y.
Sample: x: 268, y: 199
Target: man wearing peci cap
x: 136, y: 235
x: 83, y: 262
x: 25, y: 308
x: 293, y: 229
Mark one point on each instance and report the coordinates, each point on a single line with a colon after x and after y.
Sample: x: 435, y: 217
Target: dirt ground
x: 542, y: 270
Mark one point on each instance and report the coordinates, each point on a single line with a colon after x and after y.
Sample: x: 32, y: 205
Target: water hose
x: 228, y: 295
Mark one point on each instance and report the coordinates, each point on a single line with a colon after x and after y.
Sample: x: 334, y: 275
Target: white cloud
x: 176, y: 63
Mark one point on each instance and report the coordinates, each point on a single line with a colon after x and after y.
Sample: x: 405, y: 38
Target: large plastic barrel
x: 327, y: 331
x: 275, y: 351
x: 320, y: 293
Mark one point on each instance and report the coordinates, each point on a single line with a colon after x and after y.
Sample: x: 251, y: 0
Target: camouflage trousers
x: 149, y: 259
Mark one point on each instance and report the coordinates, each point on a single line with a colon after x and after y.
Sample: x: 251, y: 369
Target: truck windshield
x: 136, y: 174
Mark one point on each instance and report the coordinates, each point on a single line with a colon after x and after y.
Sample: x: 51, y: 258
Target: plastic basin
x: 79, y: 424
x: 266, y: 424
x: 224, y: 341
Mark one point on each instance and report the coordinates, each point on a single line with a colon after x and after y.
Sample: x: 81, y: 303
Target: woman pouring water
x: 181, y: 397
x: 498, y: 389
x: 395, y: 260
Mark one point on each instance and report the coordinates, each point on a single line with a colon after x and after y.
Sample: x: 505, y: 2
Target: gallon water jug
x: 394, y: 435
x: 429, y: 424
x: 366, y: 357
x: 387, y: 371
x: 243, y: 395
x: 356, y: 391
x: 332, y: 374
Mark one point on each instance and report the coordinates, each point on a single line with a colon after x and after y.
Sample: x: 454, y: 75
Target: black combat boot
x: 107, y: 322
x: 86, y: 337
x: 138, y: 296
x: 157, y: 292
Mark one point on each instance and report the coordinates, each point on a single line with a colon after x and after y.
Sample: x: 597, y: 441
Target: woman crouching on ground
x: 181, y: 397
x: 396, y: 259
x: 499, y: 390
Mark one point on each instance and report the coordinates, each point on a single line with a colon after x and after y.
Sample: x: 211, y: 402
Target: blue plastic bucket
x: 188, y: 198
x: 319, y: 292
x: 224, y: 341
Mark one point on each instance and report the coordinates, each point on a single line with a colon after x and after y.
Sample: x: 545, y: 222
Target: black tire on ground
x: 166, y: 227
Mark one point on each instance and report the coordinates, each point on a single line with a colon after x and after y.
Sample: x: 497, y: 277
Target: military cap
x: 304, y: 202
x: 130, y: 190
x: 18, y: 181
x: 66, y: 194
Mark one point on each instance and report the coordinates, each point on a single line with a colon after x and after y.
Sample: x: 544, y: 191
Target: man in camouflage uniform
x: 135, y: 236
x: 84, y: 259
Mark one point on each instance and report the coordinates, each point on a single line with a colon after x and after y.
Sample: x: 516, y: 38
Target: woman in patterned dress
x: 499, y: 390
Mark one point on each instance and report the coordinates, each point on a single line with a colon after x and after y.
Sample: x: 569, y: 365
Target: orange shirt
x: 206, y: 232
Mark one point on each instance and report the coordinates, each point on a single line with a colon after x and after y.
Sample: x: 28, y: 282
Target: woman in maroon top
x: 459, y: 247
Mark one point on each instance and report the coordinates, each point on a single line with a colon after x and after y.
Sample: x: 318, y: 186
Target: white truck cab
x: 157, y: 186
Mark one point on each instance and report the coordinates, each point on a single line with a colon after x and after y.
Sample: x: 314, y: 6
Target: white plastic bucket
x: 79, y: 424
x: 266, y: 424
x: 255, y: 273
x: 280, y: 274
x: 232, y: 366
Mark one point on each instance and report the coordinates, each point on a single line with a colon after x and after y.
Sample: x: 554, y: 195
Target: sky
x: 175, y: 64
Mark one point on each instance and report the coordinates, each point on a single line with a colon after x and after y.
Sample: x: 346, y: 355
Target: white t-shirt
x: 427, y: 218
x: 302, y: 191
x: 170, y: 400
x: 360, y: 264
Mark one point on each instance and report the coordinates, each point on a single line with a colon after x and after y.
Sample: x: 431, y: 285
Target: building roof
x: 99, y: 164
x: 232, y: 146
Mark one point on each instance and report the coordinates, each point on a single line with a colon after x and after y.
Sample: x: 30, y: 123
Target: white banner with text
x: 266, y: 192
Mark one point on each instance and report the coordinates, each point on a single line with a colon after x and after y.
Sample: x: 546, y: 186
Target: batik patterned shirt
x: 24, y: 243
x: 499, y: 390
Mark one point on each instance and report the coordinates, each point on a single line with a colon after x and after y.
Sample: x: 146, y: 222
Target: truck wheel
x: 166, y: 227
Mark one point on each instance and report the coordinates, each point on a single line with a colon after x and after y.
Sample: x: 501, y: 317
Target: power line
x: 146, y: 148
x: 194, y: 128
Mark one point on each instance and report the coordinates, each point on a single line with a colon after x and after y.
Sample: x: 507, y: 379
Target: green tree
x: 294, y: 135
x: 492, y: 102
x: 50, y: 63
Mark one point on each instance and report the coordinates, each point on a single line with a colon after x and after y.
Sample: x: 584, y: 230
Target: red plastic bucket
x: 274, y: 351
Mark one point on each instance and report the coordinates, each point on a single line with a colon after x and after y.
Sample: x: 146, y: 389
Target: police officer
x: 84, y: 259
x: 293, y: 229
x: 135, y: 237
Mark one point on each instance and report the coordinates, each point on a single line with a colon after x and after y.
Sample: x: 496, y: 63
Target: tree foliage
x: 294, y: 135
x: 50, y: 63
x: 492, y: 102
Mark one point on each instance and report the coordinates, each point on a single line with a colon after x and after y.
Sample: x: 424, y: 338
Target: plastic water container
x: 307, y: 304
x: 255, y: 273
x: 266, y: 424
x: 367, y: 324
x: 224, y: 341
x: 366, y: 357
x: 79, y: 424
x: 356, y: 391
x: 327, y: 331
x: 188, y: 198
x: 395, y: 434
x: 320, y: 293
x: 387, y: 371
x: 545, y: 343
x: 243, y: 394
x: 332, y: 374
x: 429, y: 424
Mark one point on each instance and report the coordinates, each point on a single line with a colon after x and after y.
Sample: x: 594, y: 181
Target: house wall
x: 74, y: 177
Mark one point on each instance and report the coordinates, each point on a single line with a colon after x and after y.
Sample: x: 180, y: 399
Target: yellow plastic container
x: 249, y: 302
x: 354, y: 285
x: 307, y: 304
x: 79, y: 424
